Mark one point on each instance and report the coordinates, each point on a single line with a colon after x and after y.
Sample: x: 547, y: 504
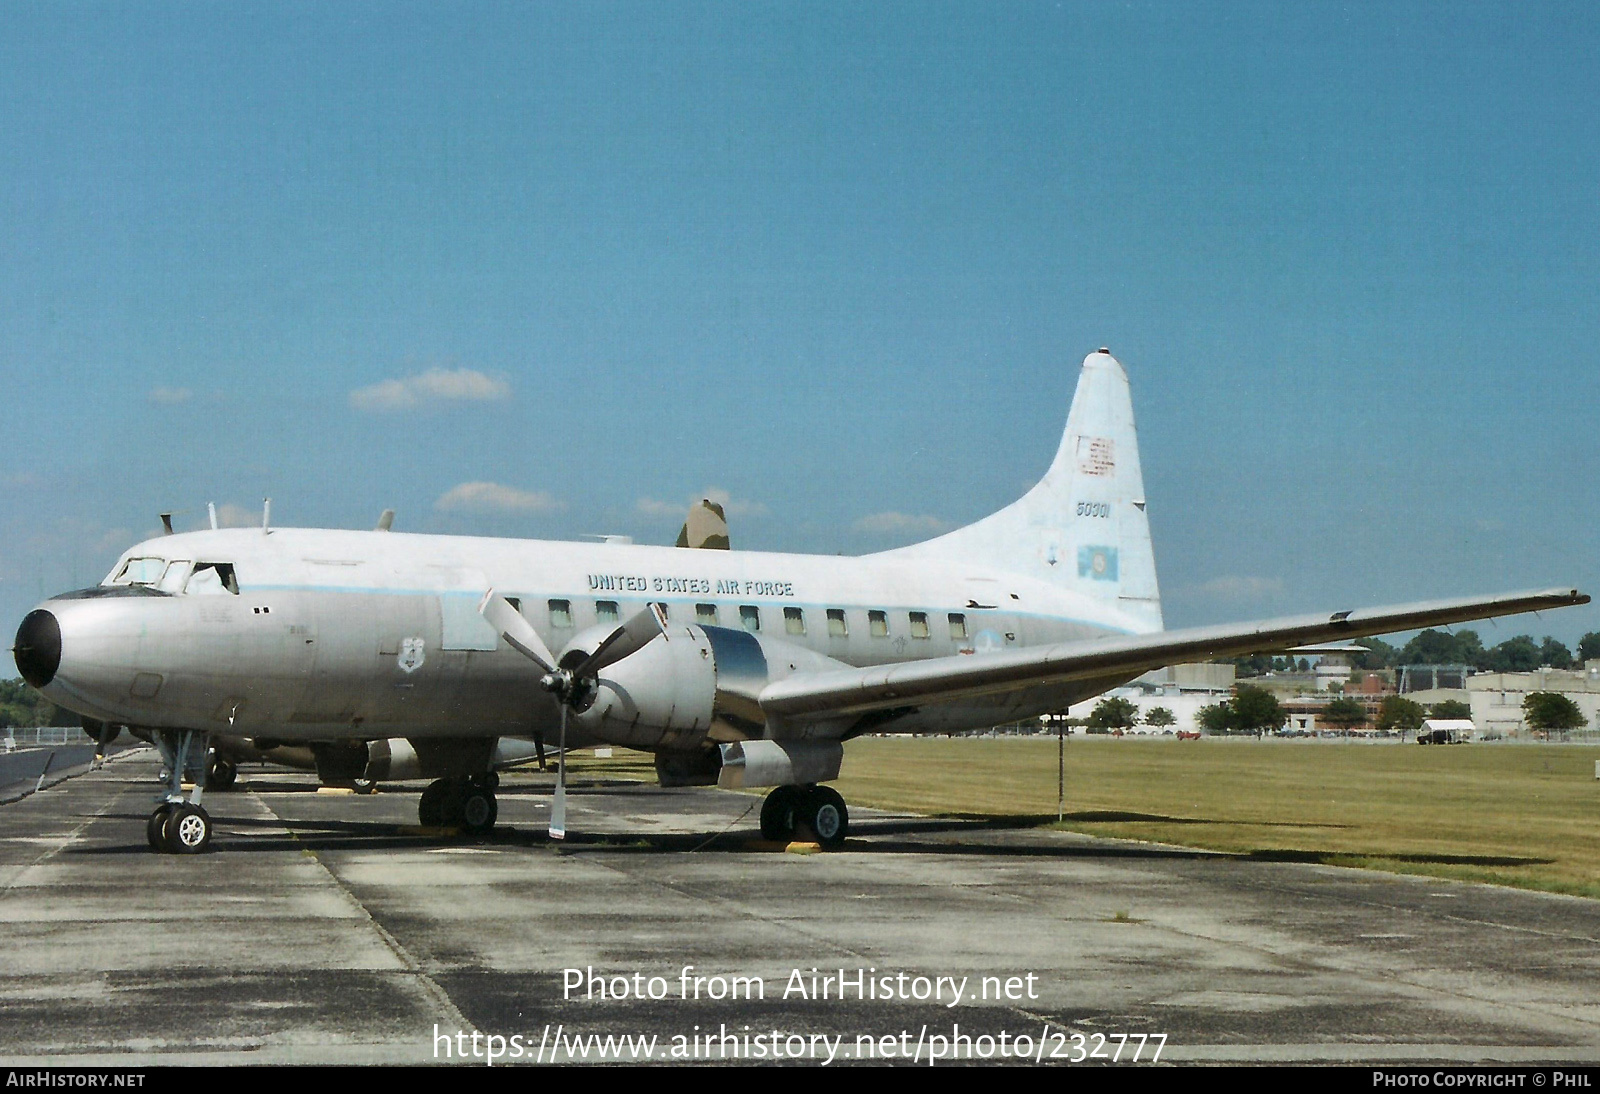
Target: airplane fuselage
x: 342, y: 634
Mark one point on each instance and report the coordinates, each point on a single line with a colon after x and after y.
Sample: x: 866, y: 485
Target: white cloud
x: 114, y: 540
x: 434, y: 386
x: 170, y: 396
x: 677, y: 510
x: 653, y: 508
x: 732, y: 506
x: 1240, y: 586
x: 491, y: 497
x: 892, y: 522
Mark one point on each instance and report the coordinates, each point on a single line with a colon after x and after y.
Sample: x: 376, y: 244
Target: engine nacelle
x: 747, y: 764
x: 426, y: 758
x: 692, y: 685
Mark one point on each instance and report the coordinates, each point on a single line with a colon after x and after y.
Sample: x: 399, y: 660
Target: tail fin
x: 706, y: 527
x: 1084, y: 526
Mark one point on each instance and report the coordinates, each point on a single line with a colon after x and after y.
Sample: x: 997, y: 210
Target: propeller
x: 572, y: 685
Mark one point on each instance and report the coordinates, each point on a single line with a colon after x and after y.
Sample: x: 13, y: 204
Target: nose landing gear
x: 181, y: 826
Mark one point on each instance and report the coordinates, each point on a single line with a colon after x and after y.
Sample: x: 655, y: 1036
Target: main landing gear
x: 788, y: 809
x: 460, y: 801
x: 179, y: 826
x: 222, y: 774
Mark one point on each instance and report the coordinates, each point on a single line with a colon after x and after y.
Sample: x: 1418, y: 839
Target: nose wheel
x: 179, y: 825
x: 790, y: 810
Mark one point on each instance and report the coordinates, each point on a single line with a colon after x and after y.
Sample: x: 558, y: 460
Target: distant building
x: 1417, y: 678
x: 1182, y: 689
x: 1333, y: 662
x: 1496, y: 697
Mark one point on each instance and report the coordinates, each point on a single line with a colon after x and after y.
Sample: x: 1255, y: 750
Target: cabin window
x: 212, y: 579
x: 919, y: 624
x: 878, y: 624
x: 837, y: 627
x: 750, y: 617
x: 561, y: 614
x: 958, y: 626
x: 794, y: 621
x: 706, y: 615
x: 606, y: 611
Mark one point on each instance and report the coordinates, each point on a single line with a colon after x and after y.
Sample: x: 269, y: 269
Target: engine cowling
x: 692, y: 685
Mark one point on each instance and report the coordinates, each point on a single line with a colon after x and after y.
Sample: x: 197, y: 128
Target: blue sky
x: 552, y: 269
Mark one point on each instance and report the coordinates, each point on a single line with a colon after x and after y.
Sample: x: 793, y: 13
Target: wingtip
x: 1567, y: 595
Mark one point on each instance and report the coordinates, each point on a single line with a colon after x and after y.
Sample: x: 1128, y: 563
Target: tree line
x: 1432, y: 647
x: 1256, y: 710
x: 23, y: 708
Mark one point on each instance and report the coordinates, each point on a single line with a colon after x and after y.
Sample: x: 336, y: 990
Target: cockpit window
x: 140, y: 571
x: 177, y: 573
x: 212, y: 579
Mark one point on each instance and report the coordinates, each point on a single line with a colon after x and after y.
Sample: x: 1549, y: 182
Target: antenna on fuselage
x: 266, y: 515
x: 386, y: 521
x: 166, y: 522
x: 211, y: 507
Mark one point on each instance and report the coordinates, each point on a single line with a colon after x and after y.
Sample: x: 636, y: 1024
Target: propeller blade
x: 517, y: 631
x: 636, y: 632
x: 558, y: 807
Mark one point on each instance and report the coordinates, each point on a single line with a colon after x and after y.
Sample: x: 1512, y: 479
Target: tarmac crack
x: 67, y: 840
x: 1453, y: 998
x: 434, y: 994
x: 745, y: 911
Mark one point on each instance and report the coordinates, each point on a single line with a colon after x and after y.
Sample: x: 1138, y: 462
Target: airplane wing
x: 809, y: 696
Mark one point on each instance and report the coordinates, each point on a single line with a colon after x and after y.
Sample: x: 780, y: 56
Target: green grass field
x: 1523, y: 815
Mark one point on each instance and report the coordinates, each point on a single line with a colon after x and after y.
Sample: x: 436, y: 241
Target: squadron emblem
x: 412, y: 654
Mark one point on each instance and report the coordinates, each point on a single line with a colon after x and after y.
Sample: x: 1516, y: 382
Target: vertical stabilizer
x: 1084, y: 526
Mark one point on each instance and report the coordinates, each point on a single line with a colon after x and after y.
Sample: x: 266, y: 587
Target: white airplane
x: 735, y: 668
x: 362, y: 765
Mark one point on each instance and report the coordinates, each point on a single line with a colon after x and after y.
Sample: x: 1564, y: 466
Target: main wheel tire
x: 188, y: 830
x: 455, y: 796
x: 778, y: 813
x: 222, y: 775
x: 155, y: 829
x: 829, y: 819
x: 478, y: 812
x: 430, y: 810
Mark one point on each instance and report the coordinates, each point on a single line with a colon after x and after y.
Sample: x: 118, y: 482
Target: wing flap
x: 946, y: 679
